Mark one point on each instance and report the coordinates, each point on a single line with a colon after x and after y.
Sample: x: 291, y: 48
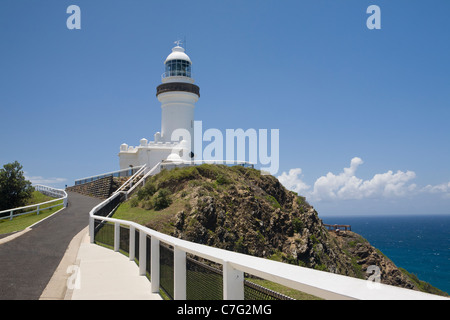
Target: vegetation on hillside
x: 238, y: 209
x: 22, y: 222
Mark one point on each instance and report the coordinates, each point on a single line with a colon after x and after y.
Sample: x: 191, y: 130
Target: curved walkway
x: 102, y: 274
x: 28, y: 262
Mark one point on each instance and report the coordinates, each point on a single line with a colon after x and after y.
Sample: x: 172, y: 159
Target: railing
x: 52, y: 192
x: 185, y: 163
x: 148, y: 246
x: 129, y: 182
x: 119, y: 173
x: 177, y: 73
x: 141, y: 182
x: 336, y: 227
x: 225, y: 162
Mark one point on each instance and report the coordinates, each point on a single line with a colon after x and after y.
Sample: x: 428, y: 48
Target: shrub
x: 273, y: 202
x: 240, y: 246
x: 301, y: 200
x: 134, y: 202
x: 209, y: 171
x: 177, y: 175
x: 221, y: 180
x: 147, y: 191
x: 162, y: 199
x: 298, y: 225
x: 148, y: 204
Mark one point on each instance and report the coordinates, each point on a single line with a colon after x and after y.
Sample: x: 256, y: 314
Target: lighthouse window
x: 178, y: 68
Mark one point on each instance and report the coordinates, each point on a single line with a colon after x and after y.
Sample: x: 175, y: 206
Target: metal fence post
x: 142, y: 253
x: 116, y: 236
x: 179, y: 274
x: 154, y: 264
x: 233, y: 283
x: 132, y: 243
x: 92, y: 229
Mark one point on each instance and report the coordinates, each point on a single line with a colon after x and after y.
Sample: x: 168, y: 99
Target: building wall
x: 138, y: 156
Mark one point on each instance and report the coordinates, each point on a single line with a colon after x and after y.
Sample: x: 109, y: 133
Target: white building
x: 178, y: 95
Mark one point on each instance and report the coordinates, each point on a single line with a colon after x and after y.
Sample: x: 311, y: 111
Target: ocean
x: 419, y: 244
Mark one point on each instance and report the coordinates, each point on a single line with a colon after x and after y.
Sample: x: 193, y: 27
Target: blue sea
x: 419, y: 244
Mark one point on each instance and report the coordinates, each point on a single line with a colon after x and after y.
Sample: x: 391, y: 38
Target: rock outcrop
x: 237, y: 208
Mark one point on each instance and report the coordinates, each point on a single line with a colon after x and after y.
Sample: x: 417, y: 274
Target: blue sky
x: 363, y: 114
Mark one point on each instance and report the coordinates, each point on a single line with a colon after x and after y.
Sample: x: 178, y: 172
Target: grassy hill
x: 238, y: 209
x: 22, y: 222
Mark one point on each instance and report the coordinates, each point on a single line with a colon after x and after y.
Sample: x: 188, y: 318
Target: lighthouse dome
x: 177, y: 64
x: 178, y: 54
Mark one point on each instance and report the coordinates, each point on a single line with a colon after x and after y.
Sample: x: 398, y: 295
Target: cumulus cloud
x: 347, y: 186
x: 293, y: 181
x: 443, y: 189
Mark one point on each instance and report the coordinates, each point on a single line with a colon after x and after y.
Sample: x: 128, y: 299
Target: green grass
x: 161, y: 220
x: 142, y: 216
x: 422, y: 285
x: 22, y: 222
x: 297, y: 295
x: 273, y: 202
x: 38, y: 197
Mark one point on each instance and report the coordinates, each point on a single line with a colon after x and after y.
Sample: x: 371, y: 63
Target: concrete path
x: 102, y: 274
x: 54, y: 260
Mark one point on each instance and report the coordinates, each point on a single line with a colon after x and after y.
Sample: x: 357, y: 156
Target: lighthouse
x: 177, y: 94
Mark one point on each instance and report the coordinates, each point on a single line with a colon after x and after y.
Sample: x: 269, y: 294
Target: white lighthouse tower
x: 178, y: 95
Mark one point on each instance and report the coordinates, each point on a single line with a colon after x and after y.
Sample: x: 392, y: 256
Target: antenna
x: 184, y: 42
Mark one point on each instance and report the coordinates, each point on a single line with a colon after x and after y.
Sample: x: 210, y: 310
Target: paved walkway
x: 28, y: 262
x: 106, y: 275
x: 34, y: 263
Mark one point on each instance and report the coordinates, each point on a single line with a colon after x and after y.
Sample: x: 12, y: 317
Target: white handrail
x: 318, y: 283
x: 144, y: 178
x: 107, y: 174
x: 199, y: 162
x: 40, y: 188
x: 130, y: 180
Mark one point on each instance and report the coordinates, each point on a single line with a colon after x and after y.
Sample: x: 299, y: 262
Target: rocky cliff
x: 237, y: 208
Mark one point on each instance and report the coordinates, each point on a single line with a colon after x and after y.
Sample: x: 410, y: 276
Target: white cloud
x: 347, y: 186
x: 443, y: 188
x: 292, y: 181
x: 342, y: 186
x: 46, y: 181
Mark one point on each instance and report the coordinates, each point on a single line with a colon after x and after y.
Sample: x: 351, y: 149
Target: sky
x: 363, y: 114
